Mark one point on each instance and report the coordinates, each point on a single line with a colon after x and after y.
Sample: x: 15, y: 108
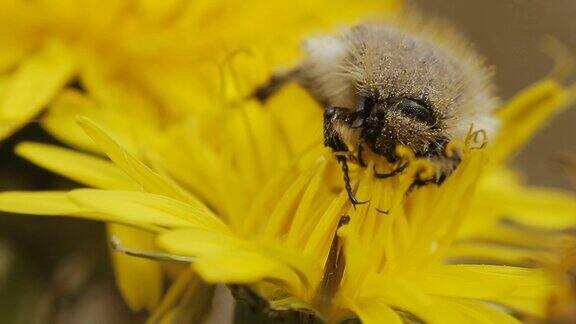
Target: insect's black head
x: 401, y: 121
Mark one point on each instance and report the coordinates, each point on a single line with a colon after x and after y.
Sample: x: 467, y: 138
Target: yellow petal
x: 489, y: 313
x: 301, y: 219
x: 132, y: 207
x: 375, y: 311
x: 83, y: 168
x: 11, y: 54
x: 400, y: 293
x: 159, y: 11
x: 283, y: 207
x: 491, y: 253
x: 452, y: 310
x: 525, y: 114
x: 539, y: 207
x: 60, y: 119
x: 198, y: 242
x: 203, y: 243
x: 138, y: 171
x: 317, y: 239
x: 139, y: 280
x: 48, y: 203
x: 244, y: 267
x: 35, y: 83
x: 520, y: 288
x: 58, y: 203
x: 404, y: 294
x: 129, y: 112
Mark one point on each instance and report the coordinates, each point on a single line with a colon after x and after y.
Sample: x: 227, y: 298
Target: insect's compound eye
x: 414, y: 109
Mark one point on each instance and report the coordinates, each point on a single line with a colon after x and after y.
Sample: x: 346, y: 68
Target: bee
x: 419, y: 85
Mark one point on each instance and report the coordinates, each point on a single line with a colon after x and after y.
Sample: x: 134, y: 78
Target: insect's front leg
x: 392, y: 173
x: 444, y: 163
x: 334, y: 141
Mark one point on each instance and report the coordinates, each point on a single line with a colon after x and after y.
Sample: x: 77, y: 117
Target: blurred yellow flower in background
x: 152, y: 49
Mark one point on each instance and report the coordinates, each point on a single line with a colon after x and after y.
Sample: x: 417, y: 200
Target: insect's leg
x: 347, y: 182
x: 445, y: 166
x: 333, y: 140
x: 359, y: 156
x: 276, y: 81
x: 421, y: 182
x: 394, y: 172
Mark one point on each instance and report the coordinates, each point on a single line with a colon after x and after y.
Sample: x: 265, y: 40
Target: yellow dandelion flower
x: 260, y: 204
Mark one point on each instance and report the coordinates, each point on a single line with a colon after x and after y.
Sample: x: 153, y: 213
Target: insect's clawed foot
x: 354, y: 200
x: 394, y: 172
x: 381, y: 211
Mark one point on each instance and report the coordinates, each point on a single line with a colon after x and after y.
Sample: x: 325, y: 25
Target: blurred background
x: 57, y: 270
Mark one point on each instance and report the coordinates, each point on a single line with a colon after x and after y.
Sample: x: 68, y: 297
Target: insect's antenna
x: 159, y: 256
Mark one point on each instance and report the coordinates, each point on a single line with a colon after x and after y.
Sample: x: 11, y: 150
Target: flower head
x: 260, y: 203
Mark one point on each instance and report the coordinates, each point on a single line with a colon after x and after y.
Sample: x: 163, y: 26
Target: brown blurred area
x: 52, y: 270
x: 509, y: 34
x: 57, y: 270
